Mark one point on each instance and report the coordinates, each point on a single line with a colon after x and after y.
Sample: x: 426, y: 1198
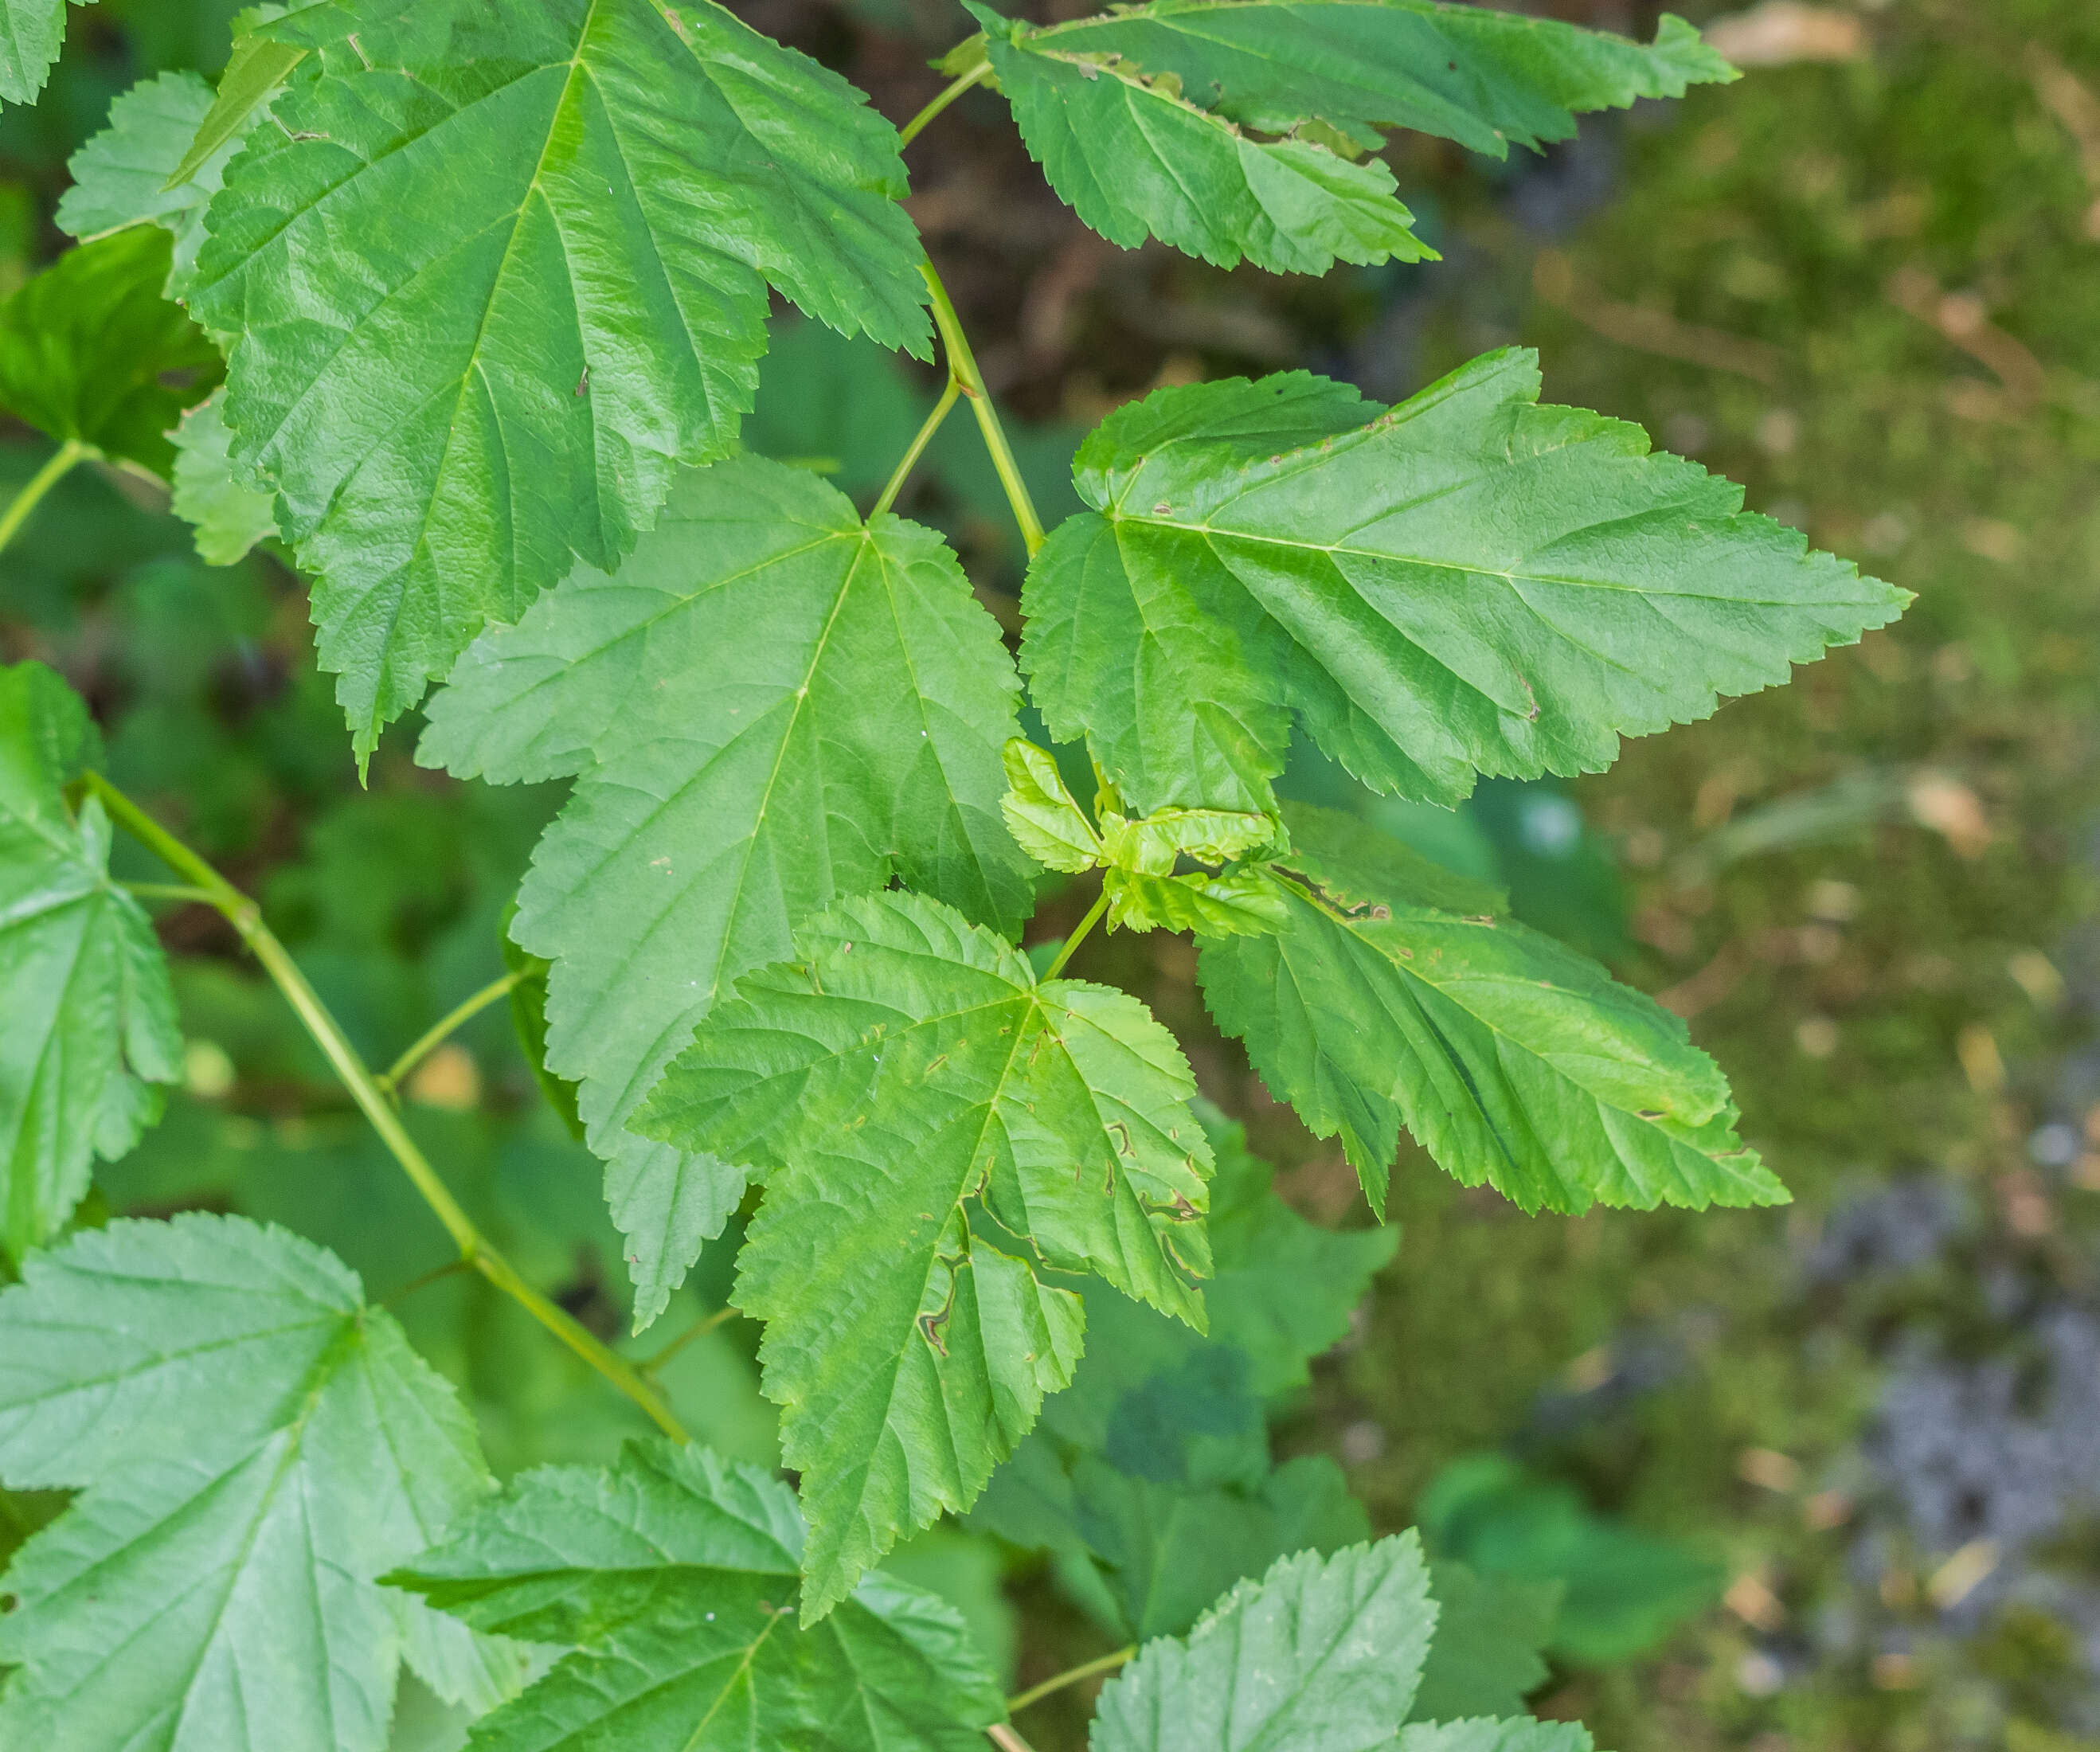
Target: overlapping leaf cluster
x: 487, y: 288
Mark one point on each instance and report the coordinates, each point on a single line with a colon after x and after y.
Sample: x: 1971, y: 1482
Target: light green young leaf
x: 91, y: 1027
x: 1485, y: 1734
x: 1232, y: 904
x: 256, y: 1443
x: 1136, y: 159
x: 1150, y: 844
x: 86, y: 345
x: 1041, y: 814
x: 1467, y: 582
x: 905, y: 1065
x: 229, y: 515
x: 1482, y: 77
x: 769, y: 707
x: 672, y: 1578
x: 493, y: 214
x: 124, y: 175
x: 1514, y: 1060
x: 1322, y: 1655
x: 32, y: 32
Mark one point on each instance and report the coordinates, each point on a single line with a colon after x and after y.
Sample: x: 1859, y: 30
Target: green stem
x: 1078, y: 936
x: 246, y: 919
x: 169, y: 891
x: 390, y: 1077
x: 963, y: 367
x: 916, y: 125
x: 1072, y: 1676
x: 39, y: 483
x: 1006, y: 1739
x: 699, y: 1329
x: 903, y: 470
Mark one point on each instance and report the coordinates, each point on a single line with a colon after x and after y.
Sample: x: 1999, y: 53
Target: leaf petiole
x: 246, y: 918
x: 169, y: 891
x: 962, y: 369
x: 56, y: 467
x: 699, y: 1329
x: 1093, y: 917
x: 903, y: 470
x: 390, y: 1079
x: 1107, y: 1663
x: 955, y: 89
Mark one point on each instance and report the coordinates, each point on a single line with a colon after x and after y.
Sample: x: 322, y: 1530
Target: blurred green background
x: 1824, y: 1477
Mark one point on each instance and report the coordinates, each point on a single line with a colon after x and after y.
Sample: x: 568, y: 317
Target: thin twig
x: 1006, y: 1739
x: 1093, y: 917
x: 58, y: 464
x: 1107, y: 1663
x: 699, y: 1329
x: 432, y: 1037
x: 168, y: 891
x: 913, y: 129
x: 903, y: 472
x: 246, y: 918
x: 963, y: 367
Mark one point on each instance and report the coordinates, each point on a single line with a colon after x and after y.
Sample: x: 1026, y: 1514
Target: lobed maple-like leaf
x: 1320, y: 1655
x: 90, y: 1028
x: 670, y: 1578
x: 905, y: 1065
x: 1468, y: 583
x: 498, y: 273
x: 1135, y: 159
x: 1144, y: 117
x: 253, y: 1445
x: 769, y: 706
x: 90, y: 352
x: 1513, y: 1059
x: 1151, y: 1471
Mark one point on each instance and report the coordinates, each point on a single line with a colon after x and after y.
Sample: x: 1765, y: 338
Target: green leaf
x: 257, y: 68
x: 91, y: 1021
x: 230, y: 516
x: 256, y: 1445
x: 1481, y: 1734
x: 769, y: 707
x: 1483, y: 78
x: 528, y: 1015
x: 86, y: 345
x: 124, y: 175
x: 1486, y: 1658
x: 32, y: 32
x: 1470, y: 582
x: 905, y: 1065
x: 671, y: 1577
x: 1135, y: 159
x: 1045, y: 822
x: 1624, y: 1589
x: 469, y: 262
x: 1322, y: 1655
x: 1151, y: 1471
x: 1285, y: 1288
x: 1512, y: 1059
